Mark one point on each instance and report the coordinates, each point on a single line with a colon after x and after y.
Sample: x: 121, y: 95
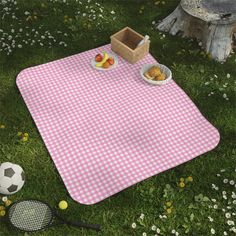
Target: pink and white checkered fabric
x: 106, y: 131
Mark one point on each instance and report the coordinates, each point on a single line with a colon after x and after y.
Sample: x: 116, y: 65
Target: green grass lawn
x: 68, y: 27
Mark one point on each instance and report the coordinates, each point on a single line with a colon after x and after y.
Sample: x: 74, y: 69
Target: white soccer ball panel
x: 16, y: 179
x: 17, y: 169
x: 1, y: 173
x: 20, y: 185
x: 3, y: 191
x: 5, y: 182
x: 6, y: 165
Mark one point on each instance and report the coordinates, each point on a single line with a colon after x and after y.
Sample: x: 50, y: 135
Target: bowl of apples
x: 104, y: 61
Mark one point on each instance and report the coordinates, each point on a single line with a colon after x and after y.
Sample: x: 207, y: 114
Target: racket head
x: 30, y: 215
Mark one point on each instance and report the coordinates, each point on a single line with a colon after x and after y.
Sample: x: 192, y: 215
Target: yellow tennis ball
x: 63, y: 205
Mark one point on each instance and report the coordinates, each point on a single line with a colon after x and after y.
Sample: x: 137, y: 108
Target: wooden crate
x: 125, y: 42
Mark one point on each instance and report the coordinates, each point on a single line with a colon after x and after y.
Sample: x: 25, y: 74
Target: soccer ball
x: 12, y: 178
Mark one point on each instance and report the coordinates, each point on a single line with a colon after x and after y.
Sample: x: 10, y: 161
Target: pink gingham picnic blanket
x: 106, y: 131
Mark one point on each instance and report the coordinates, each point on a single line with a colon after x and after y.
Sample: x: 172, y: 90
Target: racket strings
x: 30, y: 215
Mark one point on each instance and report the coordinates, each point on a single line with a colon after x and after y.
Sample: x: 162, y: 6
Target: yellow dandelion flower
x: 2, y: 208
x: 26, y: 135
x: 2, y: 213
x: 28, y: 18
x: 190, y: 179
x: 2, y: 126
x: 168, y: 210
x: 209, y: 56
x: 181, y: 179
x: 19, y: 133
x: 181, y: 184
x: 8, y: 203
x: 168, y: 204
x: 24, y: 139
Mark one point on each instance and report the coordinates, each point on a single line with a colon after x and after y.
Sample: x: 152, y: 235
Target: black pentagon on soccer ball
x: 23, y: 176
x: 9, y: 172
x: 12, y: 188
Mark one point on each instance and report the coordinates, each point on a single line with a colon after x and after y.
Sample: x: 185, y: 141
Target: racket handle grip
x: 80, y: 224
x: 90, y: 226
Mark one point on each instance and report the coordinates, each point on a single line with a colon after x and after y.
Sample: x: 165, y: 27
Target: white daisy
x: 154, y: 228
x: 210, y: 219
x: 158, y: 230
x: 213, y: 231
x: 227, y: 215
x: 141, y: 216
x: 4, y: 199
x: 133, y: 225
x: 144, y: 234
x: 225, y: 181
x: 230, y: 222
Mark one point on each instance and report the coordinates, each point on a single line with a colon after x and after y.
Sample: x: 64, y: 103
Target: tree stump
x: 212, y: 22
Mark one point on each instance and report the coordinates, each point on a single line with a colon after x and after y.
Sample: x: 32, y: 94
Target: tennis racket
x: 34, y: 215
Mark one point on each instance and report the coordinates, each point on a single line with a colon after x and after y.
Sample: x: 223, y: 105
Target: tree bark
x: 214, y: 29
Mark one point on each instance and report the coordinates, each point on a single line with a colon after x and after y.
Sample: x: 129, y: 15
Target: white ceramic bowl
x: 164, y: 69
